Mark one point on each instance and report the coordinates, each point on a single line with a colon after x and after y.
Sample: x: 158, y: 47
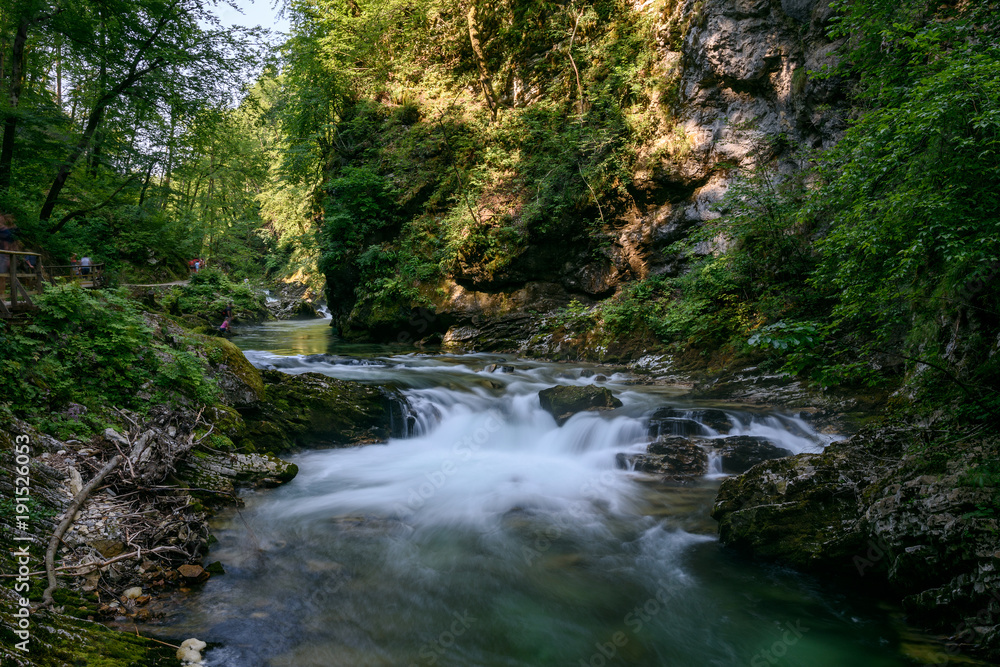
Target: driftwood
x: 90, y: 567
x: 152, y: 457
x: 74, y: 506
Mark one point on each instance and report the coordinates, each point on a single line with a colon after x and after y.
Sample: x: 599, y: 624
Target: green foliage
x: 574, y: 316
x: 786, y: 336
x: 94, y: 349
x: 207, y: 294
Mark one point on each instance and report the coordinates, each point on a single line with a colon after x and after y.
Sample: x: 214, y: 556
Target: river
x: 493, y: 537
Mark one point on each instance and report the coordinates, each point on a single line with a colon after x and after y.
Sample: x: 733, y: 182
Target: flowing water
x: 493, y: 537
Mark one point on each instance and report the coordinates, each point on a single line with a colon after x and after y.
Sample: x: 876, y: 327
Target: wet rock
x: 215, y: 567
x: 221, y: 473
x: 679, y: 426
x: 563, y: 402
x: 315, y: 409
x: 665, y: 418
x: 742, y: 452
x: 886, y: 508
x: 193, y: 573
x: 671, y: 456
x: 801, y: 510
x: 190, y: 650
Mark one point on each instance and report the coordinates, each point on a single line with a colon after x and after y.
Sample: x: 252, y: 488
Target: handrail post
x: 12, y: 269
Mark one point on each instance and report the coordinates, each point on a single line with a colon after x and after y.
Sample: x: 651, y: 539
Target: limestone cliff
x: 729, y: 74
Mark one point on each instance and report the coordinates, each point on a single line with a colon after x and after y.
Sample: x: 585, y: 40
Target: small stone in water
x: 132, y: 593
x: 190, y: 651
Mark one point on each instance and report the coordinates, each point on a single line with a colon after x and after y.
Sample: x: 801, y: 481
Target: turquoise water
x: 492, y: 537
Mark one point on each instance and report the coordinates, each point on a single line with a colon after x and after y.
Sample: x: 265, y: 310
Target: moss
x: 221, y: 352
x: 315, y: 409
x: 58, y: 640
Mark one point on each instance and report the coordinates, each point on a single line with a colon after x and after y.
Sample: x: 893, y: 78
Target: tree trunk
x: 10, y: 122
x: 145, y: 183
x: 65, y: 168
x: 485, y: 81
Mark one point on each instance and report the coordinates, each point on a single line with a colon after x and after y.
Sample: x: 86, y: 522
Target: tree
x: 152, y: 50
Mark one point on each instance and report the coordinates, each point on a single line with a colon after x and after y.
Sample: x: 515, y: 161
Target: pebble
x: 132, y: 593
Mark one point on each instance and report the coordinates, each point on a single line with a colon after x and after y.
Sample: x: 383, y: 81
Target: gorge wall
x: 723, y: 78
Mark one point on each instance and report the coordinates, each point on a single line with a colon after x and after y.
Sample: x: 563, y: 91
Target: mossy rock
x: 227, y: 421
x: 222, y: 473
x: 239, y: 381
x: 59, y: 640
x: 801, y: 510
x: 315, y: 409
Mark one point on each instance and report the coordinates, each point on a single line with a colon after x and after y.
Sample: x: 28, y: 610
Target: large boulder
x: 886, y: 508
x: 741, y: 452
x: 802, y: 510
x: 315, y: 409
x: 564, y: 402
x: 238, y: 380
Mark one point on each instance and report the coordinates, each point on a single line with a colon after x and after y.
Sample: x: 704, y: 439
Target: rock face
x: 730, y: 73
x: 882, y: 509
x: 294, y: 301
x: 564, y: 402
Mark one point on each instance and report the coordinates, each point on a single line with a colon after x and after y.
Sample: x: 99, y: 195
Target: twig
x: 97, y: 566
x: 151, y: 639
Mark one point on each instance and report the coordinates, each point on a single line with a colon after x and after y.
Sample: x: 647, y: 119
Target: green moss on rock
x: 239, y: 381
x: 318, y: 410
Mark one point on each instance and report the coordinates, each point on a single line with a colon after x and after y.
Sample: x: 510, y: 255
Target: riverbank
x: 170, y: 467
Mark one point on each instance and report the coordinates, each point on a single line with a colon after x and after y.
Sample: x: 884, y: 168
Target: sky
x: 255, y: 12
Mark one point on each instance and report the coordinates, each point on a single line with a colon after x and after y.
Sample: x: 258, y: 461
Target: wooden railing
x: 87, y: 276
x: 19, y: 278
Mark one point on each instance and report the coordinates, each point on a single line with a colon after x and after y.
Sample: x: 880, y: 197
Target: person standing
x: 85, y: 265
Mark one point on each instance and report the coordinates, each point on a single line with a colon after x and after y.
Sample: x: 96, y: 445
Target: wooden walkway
x: 22, y: 276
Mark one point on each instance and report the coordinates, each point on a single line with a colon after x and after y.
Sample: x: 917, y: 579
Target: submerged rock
x: 715, y: 419
x: 563, y: 402
x: 671, y: 456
